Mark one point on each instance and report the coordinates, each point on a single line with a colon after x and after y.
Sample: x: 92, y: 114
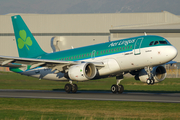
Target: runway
x: 92, y: 95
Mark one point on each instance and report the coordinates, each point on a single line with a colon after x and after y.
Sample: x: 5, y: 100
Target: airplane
x: 141, y: 56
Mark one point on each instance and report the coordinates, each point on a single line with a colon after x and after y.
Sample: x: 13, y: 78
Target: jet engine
x: 158, y: 72
x: 82, y: 72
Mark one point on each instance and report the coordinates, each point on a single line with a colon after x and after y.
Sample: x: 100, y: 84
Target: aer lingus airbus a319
x: 141, y: 56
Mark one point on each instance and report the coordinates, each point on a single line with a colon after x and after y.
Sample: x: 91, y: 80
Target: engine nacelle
x: 159, y: 74
x: 82, y: 72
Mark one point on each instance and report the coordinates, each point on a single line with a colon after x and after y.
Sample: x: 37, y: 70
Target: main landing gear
x: 71, y: 87
x: 117, y: 88
x: 150, y: 80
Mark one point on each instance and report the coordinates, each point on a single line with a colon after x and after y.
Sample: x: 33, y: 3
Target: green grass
x: 54, y: 109
x: 10, y: 80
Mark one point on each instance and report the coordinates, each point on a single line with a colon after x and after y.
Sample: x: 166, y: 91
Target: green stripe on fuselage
x: 17, y: 70
x: 103, y: 49
x: 20, y: 69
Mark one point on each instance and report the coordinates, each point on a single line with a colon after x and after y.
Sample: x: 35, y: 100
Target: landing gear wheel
x: 74, y: 88
x: 68, y: 88
x: 120, y: 89
x: 148, y: 81
x: 114, y: 88
x: 152, y: 82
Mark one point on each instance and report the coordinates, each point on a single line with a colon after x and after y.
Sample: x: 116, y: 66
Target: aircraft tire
x: 68, y: 88
x: 114, y: 88
x: 120, y: 89
x: 152, y: 82
x: 74, y: 88
x: 148, y: 81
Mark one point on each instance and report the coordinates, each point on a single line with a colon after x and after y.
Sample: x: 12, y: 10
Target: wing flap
x: 4, y: 60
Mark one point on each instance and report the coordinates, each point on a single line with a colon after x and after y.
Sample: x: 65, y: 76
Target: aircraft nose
x: 171, y: 52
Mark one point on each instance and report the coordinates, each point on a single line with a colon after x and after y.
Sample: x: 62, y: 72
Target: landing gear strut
x: 117, y: 88
x: 71, y: 87
x: 150, y: 80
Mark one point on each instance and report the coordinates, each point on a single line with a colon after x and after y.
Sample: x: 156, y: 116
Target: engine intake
x: 82, y: 72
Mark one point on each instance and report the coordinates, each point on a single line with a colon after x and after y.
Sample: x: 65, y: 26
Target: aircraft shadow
x: 109, y: 91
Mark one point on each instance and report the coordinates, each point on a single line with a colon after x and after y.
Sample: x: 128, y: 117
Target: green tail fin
x: 26, y: 44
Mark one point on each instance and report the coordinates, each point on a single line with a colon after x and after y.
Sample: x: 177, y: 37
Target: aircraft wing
x: 7, y: 61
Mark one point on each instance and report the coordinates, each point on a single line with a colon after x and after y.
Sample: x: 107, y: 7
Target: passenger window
x: 151, y: 43
x: 156, y: 42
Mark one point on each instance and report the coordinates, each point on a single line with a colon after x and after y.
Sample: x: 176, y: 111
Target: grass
x: 10, y: 80
x: 53, y: 109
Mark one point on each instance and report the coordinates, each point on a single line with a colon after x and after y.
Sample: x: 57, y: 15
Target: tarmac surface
x: 92, y: 95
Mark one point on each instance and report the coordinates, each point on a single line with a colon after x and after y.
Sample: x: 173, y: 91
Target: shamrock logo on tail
x: 23, y: 40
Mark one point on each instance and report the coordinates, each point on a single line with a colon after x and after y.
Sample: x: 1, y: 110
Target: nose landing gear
x: 150, y: 80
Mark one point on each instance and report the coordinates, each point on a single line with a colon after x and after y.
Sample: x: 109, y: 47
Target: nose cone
x: 171, y: 52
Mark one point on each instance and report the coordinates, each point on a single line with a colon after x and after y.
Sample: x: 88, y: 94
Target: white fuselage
x: 117, y: 63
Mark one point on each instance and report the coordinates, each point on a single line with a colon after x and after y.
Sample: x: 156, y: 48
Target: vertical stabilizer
x: 26, y: 44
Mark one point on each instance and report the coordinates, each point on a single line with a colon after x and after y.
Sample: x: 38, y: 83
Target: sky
x: 88, y: 6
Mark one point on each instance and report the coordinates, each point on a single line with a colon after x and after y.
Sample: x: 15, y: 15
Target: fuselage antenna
x: 145, y: 33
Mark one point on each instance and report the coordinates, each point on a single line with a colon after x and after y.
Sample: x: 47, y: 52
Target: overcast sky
x: 88, y: 6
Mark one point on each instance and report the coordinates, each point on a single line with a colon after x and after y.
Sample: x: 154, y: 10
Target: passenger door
x: 137, y: 46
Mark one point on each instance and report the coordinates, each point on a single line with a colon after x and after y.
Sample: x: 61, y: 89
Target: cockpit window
x: 151, y: 43
x: 163, y: 42
x: 156, y: 42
